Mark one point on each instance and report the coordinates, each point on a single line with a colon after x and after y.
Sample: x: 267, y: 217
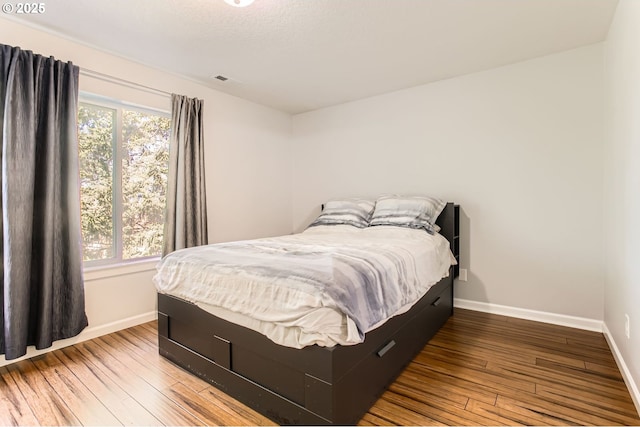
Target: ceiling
x: 301, y: 55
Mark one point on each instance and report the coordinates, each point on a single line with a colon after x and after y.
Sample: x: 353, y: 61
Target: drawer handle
x: 436, y: 302
x: 386, y: 348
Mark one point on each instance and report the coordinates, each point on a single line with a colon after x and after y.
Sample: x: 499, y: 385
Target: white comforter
x: 328, y: 285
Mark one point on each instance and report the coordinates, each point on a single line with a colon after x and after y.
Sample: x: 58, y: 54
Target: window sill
x: 121, y: 269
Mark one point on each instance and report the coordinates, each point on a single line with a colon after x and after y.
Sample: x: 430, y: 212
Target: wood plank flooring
x: 480, y: 369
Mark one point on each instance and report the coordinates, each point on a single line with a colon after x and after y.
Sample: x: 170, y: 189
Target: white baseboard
x: 539, y: 316
x: 87, y: 334
x: 624, y: 370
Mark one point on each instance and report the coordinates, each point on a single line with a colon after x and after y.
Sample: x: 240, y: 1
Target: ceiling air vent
x: 221, y: 78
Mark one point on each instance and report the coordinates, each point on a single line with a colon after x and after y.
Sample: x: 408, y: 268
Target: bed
x: 315, y: 384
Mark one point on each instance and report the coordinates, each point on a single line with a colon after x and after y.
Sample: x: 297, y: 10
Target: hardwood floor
x: 488, y: 369
x: 480, y: 369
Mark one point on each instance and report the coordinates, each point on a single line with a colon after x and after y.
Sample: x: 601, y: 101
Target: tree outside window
x: 122, y: 207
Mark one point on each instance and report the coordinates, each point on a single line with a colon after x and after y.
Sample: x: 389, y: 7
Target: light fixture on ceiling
x: 239, y: 3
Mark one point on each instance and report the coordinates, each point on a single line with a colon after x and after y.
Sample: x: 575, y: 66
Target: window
x: 124, y: 157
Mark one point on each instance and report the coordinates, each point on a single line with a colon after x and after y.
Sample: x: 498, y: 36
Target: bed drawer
x: 433, y: 316
x: 394, y: 353
x: 211, y: 346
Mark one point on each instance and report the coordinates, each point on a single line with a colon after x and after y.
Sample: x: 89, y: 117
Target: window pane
x: 96, y: 141
x: 144, y: 180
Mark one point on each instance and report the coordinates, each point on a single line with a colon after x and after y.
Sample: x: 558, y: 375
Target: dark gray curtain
x: 186, y: 215
x: 42, y: 298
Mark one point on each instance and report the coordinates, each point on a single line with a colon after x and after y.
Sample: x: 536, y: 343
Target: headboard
x: 449, y: 223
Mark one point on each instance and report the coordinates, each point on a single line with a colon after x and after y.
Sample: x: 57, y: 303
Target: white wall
x: 248, y: 158
x: 622, y: 187
x: 519, y: 147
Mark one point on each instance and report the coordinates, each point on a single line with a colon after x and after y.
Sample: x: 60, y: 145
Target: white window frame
x: 117, y: 203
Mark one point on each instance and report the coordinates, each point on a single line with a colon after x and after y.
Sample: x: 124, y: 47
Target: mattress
x: 327, y: 285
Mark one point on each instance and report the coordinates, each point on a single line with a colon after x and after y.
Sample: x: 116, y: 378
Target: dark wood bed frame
x: 313, y: 385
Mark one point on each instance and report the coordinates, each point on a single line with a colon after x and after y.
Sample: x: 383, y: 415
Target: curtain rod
x: 118, y: 80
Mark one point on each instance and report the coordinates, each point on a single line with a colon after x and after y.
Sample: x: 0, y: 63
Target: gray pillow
x: 354, y: 212
x: 407, y: 211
